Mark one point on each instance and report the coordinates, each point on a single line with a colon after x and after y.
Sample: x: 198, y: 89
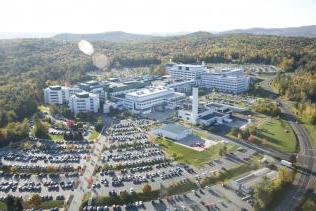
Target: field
x: 186, y: 155
x: 311, y: 129
x: 278, y: 134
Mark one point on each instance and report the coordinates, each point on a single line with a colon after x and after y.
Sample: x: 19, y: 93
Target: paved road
x: 83, y: 186
x: 305, y: 159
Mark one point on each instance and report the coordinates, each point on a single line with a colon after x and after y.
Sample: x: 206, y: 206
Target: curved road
x: 305, y: 177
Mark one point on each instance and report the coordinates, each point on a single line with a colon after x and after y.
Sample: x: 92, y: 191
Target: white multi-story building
x: 230, y: 80
x: 84, y: 102
x: 186, y: 71
x: 145, y: 100
x: 59, y: 94
x: 225, y: 83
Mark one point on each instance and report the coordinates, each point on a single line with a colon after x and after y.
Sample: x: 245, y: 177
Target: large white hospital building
x: 59, y: 94
x: 77, y: 99
x: 84, y: 102
x: 226, y: 80
x: 186, y: 71
x: 145, y: 100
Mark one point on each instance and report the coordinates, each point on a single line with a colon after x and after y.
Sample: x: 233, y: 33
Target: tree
x: 125, y: 197
x: 252, y: 129
x: 146, y: 188
x: 264, y: 141
x: 35, y: 201
x: 285, y: 176
x: 263, y: 194
x: 41, y: 129
x: 13, y: 203
x: 234, y: 131
x: 9, y: 201
x: 221, y: 152
x: 225, y: 149
x: 251, y: 138
x: 53, y: 109
x: 99, y: 124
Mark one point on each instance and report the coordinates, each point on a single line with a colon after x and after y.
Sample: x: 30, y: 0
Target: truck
x: 286, y: 163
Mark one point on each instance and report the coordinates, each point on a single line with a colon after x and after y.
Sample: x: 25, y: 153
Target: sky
x: 152, y: 16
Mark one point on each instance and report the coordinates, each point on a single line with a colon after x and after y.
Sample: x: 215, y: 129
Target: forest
x: 27, y: 65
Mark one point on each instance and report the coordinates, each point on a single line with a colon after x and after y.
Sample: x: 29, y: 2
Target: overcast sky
x: 151, y: 16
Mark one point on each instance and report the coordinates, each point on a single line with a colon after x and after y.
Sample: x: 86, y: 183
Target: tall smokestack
x: 195, y: 105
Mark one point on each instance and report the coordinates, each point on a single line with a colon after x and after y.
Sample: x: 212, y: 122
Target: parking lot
x: 133, y: 160
x: 125, y: 160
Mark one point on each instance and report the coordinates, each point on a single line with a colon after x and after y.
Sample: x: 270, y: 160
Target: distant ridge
x: 115, y: 36
x: 303, y: 31
x: 120, y: 36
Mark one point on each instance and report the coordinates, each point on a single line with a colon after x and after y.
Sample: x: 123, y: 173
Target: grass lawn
x: 229, y: 174
x: 279, y: 135
x: 186, y: 155
x: 56, y: 137
x: 47, y: 204
x: 52, y: 204
x: 94, y: 135
x: 3, y: 207
x: 181, y: 188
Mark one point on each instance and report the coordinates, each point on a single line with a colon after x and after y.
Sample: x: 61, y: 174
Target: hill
x: 115, y: 36
x: 302, y: 31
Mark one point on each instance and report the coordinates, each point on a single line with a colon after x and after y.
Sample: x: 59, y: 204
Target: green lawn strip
x: 180, y: 188
x: 56, y: 137
x: 184, y: 154
x: 93, y: 135
x: 3, y: 207
x: 279, y: 135
x: 52, y: 204
x: 53, y: 170
x: 229, y: 174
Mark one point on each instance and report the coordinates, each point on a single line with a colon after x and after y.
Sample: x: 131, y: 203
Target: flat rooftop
x: 55, y: 87
x: 212, y: 115
x: 174, y: 128
x: 190, y: 65
x: 148, y: 91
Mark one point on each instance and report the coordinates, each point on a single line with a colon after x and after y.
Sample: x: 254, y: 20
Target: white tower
x: 195, y: 105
